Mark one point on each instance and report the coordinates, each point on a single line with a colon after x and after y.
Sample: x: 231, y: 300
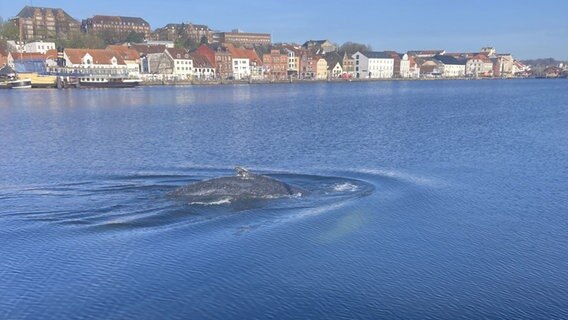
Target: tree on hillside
x: 81, y: 40
x: 542, y: 62
x: 112, y: 37
x: 186, y: 43
x: 135, y: 37
x: 204, y: 40
x: 352, y: 47
x: 8, y: 30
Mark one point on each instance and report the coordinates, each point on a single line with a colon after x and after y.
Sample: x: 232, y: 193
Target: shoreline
x: 185, y: 83
x: 255, y: 82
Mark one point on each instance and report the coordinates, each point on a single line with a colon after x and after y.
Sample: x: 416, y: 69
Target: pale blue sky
x: 528, y: 29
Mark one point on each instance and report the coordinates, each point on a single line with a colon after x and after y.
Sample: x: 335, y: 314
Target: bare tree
x: 352, y: 47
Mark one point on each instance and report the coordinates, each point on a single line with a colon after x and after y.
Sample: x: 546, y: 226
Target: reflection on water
x: 430, y: 199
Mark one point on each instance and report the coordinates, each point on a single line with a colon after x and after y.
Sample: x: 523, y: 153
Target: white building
x: 241, y: 68
x: 450, y: 67
x: 30, y: 47
x: 373, y: 65
x: 202, y: 69
x: 292, y: 61
x: 39, y: 47
x: 335, y: 70
x: 404, y: 66
x: 479, y: 66
x: 414, y: 68
x: 94, y: 62
x: 182, y: 66
x: 15, y: 46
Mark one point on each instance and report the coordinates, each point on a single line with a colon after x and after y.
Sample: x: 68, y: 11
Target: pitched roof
x: 314, y: 43
x: 6, y: 71
x: 100, y: 56
x: 483, y: 57
x: 200, y: 61
x: 216, y: 46
x: 145, y: 49
x: 29, y: 12
x: 395, y: 55
x: 426, y: 52
x: 449, y: 60
x: 333, y: 58
x: 28, y: 56
x: 178, y: 53
x: 105, y: 19
x: 239, y: 53
x: 262, y: 50
x: 125, y: 52
x: 377, y: 55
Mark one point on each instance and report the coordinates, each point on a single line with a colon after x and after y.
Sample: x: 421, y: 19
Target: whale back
x: 245, y: 185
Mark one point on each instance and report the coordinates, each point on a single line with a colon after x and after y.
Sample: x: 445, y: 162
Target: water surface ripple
x: 429, y: 200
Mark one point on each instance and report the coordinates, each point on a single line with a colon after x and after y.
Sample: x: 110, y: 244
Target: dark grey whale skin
x: 244, y: 185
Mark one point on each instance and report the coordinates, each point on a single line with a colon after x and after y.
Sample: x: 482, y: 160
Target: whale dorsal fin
x: 242, y: 172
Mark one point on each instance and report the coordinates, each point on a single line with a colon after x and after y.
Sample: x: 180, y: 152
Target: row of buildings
x: 160, y: 60
x: 231, y: 55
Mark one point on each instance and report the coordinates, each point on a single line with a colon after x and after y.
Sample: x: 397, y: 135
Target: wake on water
x: 127, y: 201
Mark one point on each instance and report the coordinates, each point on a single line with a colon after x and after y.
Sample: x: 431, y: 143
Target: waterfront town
x: 46, y: 47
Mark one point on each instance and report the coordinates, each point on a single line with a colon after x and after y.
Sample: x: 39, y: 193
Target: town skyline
x: 529, y: 32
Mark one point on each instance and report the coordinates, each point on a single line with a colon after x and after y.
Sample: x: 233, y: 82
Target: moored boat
x: 102, y: 82
x: 39, y: 81
x: 20, y: 84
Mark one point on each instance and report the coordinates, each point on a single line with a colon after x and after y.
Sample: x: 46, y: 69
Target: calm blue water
x: 433, y: 200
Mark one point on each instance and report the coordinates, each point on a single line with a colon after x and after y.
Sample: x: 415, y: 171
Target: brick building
x: 275, y: 63
x: 219, y: 58
x: 121, y: 26
x: 36, y: 23
x: 176, y: 31
x: 244, y: 39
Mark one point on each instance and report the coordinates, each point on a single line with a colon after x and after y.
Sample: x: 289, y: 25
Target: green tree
x: 9, y: 30
x: 135, y: 37
x: 204, y: 40
x: 111, y: 37
x: 81, y: 40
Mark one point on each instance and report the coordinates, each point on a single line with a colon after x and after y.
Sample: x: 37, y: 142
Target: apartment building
x: 38, y: 23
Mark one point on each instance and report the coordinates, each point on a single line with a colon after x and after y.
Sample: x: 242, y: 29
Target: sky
x: 525, y: 28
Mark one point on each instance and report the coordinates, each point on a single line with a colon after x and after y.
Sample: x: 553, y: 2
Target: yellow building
x: 321, y: 68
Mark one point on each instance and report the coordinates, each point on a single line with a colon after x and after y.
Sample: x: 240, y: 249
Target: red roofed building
x: 219, y: 58
x: 88, y: 59
x: 130, y: 56
x: 413, y: 68
x: 4, y: 57
x: 275, y: 63
x: 246, y: 63
x: 479, y: 66
x: 202, y: 68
